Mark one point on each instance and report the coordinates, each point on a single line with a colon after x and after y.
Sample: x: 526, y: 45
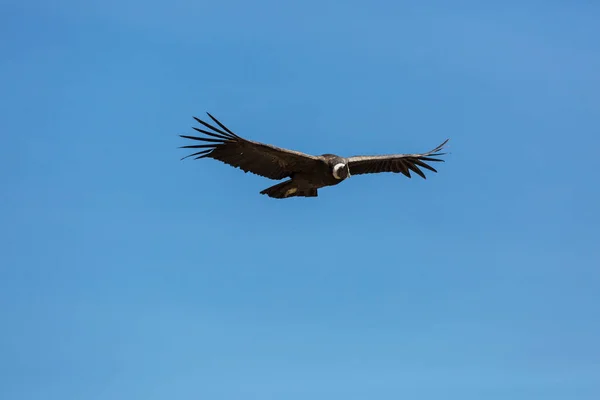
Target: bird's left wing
x: 403, y: 163
x: 250, y: 156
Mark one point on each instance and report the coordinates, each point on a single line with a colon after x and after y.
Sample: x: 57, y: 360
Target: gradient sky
x: 126, y: 273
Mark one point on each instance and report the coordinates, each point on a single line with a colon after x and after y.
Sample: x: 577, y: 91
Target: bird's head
x: 340, y: 171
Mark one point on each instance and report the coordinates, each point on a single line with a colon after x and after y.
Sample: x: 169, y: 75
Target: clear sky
x: 126, y: 273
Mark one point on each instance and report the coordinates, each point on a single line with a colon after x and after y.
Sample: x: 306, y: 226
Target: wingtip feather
x: 222, y: 125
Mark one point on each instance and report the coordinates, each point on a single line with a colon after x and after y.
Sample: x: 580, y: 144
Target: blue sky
x: 127, y: 273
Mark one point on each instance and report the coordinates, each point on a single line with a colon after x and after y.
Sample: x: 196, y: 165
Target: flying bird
x: 306, y: 173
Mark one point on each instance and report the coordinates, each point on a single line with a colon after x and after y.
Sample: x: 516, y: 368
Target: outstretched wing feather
x: 403, y: 163
x: 250, y: 156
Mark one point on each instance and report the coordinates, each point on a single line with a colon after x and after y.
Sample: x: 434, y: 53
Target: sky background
x: 126, y: 273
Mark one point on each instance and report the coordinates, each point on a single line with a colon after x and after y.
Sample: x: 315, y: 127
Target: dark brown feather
x: 250, y: 156
x: 403, y: 163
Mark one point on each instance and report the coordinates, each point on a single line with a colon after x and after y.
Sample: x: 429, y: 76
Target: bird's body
x: 306, y: 183
x: 306, y: 173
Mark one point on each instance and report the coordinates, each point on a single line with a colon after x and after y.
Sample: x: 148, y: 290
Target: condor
x: 306, y: 173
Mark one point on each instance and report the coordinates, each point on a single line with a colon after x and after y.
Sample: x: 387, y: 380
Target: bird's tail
x: 287, y: 189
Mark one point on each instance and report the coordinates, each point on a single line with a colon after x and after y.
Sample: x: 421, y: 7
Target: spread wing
x: 259, y: 158
x: 403, y: 163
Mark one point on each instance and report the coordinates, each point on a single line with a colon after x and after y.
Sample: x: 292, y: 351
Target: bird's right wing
x: 403, y: 163
x: 250, y: 156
